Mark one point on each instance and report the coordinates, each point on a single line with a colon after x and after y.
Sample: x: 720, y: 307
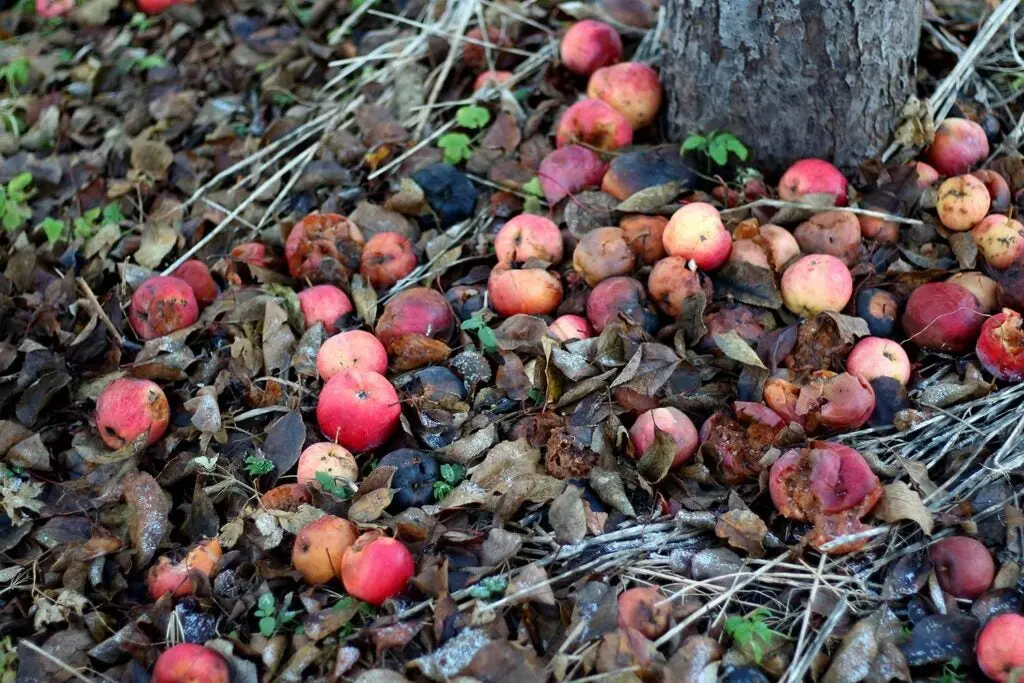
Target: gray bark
x: 791, y: 78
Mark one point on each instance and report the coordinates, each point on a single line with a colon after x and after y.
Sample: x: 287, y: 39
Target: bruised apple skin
x: 827, y: 484
x: 816, y: 283
x: 176, y: 578
x: 492, y: 79
x: 643, y: 234
x: 874, y: 357
x: 695, y: 232
x: 416, y: 311
x: 386, y: 259
x: 198, y: 277
x: 588, y: 45
x: 619, y: 295
x: 287, y: 497
x: 1001, y: 647
x: 320, y: 546
x: 323, y: 247
x: 568, y: 170
x: 984, y: 289
x: 998, y: 189
x: 631, y: 88
x: 645, y: 609
x: 252, y: 253
x: 569, y: 327
x: 601, y: 254
x: 128, y: 408
x: 962, y: 202
x: 963, y: 566
x: 376, y: 568
x: 826, y: 401
x: 836, y: 233
x: 355, y: 349
x: 1000, y: 346
x: 526, y: 237
x: 329, y: 458
x: 1000, y: 239
x: 941, y: 316
x: 813, y: 177
x: 358, y: 409
x: 162, y: 305
x: 670, y: 283
x: 190, y: 663
x: 672, y: 421
x: 781, y: 246
x: 926, y: 174
x: 324, y: 304
x: 593, y: 124
x: 748, y: 251
x: 959, y: 144
x: 740, y: 442
x: 630, y: 172
x: 532, y: 291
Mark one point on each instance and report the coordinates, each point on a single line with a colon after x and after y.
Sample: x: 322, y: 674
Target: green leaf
x: 257, y: 466
x: 472, y: 116
x: 693, y: 142
x: 12, y: 219
x: 267, y: 602
x: 150, y: 62
x: 53, y: 229
x: 267, y: 626
x: 488, y: 340
x: 456, y: 148
x: 533, y: 188
x: 441, y: 490
x: 452, y: 472
x: 112, y: 213
x: 474, y: 323
x: 733, y: 144
x: 718, y: 152
x: 17, y: 188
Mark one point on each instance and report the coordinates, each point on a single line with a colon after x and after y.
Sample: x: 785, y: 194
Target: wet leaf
x: 941, y: 638
x: 283, y: 445
x: 852, y: 662
x: 148, y: 508
x: 899, y: 501
x: 415, y: 351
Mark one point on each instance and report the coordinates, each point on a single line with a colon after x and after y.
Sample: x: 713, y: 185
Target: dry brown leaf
x: 370, y: 507
x: 147, y: 514
x: 152, y: 158
x: 657, y: 459
x: 568, y: 517
x: 526, y: 586
x: 744, y: 530
x: 899, y: 501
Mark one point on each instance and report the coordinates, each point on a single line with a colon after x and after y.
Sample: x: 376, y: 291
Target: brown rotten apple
x: 324, y: 247
x: 162, y: 305
x: 836, y: 233
x: 615, y: 296
x: 601, y: 254
x: 740, y: 442
x: 829, y: 485
x: 671, y: 283
x: 416, y: 311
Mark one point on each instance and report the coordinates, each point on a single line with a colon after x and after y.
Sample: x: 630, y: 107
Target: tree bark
x: 791, y: 78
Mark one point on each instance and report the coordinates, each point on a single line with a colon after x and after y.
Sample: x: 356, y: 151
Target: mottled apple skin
x: 1000, y: 346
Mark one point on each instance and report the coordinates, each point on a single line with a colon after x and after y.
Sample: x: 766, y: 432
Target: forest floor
x: 132, y: 143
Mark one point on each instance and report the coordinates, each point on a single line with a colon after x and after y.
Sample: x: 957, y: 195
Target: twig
x: 779, y: 204
x: 98, y: 310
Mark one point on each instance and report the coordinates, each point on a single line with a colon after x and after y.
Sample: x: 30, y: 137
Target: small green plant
x: 147, y: 62
x: 533, y: 188
x: 15, y: 74
x: 458, y: 147
x: 476, y: 323
x: 53, y: 229
x: 206, y: 462
x: 140, y: 22
x: 84, y: 226
x: 271, y: 620
x: 451, y: 475
x: 716, y: 146
x: 489, y: 587
x: 951, y: 672
x: 8, y: 661
x: 338, y: 488
x: 752, y: 632
x: 14, y: 198
x: 365, y: 612
x: 257, y: 465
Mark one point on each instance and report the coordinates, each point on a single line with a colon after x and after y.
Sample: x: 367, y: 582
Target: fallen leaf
x: 650, y: 199
x: 530, y: 585
x: 744, y: 530
x: 283, y: 445
x: 608, y: 486
x: 152, y: 158
x: 657, y: 459
x: 734, y: 346
x: 370, y: 507
x: 899, y: 501
x: 567, y: 516
x: 147, y: 514
x: 278, y: 338
x: 852, y: 662
x: 499, y: 546
x: 364, y: 297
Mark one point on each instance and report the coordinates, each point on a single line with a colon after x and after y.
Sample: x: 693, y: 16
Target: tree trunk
x: 792, y: 78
